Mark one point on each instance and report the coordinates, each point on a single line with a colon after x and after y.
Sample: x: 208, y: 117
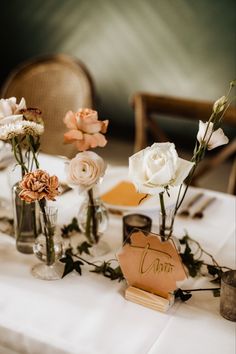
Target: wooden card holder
x: 151, y: 268
x: 149, y: 300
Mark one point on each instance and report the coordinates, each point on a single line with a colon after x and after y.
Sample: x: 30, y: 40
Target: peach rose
x: 38, y: 185
x: 84, y: 170
x: 86, y: 131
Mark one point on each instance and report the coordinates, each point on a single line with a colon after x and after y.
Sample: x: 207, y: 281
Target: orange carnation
x: 38, y: 185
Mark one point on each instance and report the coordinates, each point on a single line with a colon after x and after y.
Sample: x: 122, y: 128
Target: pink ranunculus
x: 85, y: 170
x: 85, y: 130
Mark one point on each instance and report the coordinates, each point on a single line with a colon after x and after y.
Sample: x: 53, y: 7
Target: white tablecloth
x: 89, y: 315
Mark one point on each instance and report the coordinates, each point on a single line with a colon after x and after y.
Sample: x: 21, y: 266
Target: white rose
x: 84, y: 170
x: 217, y: 138
x: 156, y: 167
x: 10, y: 110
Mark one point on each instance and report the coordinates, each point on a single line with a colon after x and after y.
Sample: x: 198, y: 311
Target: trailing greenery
x: 192, y: 255
x: 75, y: 262
x: 192, y: 258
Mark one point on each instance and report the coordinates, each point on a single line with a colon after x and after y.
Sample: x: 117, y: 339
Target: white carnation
x: 9, y: 131
x: 32, y: 128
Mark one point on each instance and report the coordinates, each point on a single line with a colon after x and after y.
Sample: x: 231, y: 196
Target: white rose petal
x: 157, y: 167
x: 11, y: 119
x: 9, y: 110
x: 7, y: 106
x: 217, y: 138
x: 184, y: 167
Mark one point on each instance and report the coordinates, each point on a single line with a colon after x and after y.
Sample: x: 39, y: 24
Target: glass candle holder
x: 135, y: 221
x: 228, y: 295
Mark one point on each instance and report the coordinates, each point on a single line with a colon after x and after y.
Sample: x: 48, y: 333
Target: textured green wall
x: 179, y: 47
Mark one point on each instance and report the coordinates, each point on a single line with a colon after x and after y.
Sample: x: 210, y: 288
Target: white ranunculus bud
x: 156, y: 167
x: 217, y: 138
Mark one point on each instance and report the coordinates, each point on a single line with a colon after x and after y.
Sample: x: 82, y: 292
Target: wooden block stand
x: 150, y: 300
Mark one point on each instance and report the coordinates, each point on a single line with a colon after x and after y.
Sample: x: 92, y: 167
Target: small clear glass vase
x: 26, y: 222
x: 48, y: 247
x: 93, y: 222
x: 166, y: 224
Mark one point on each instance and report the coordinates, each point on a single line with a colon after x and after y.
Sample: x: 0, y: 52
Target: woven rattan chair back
x: 54, y: 84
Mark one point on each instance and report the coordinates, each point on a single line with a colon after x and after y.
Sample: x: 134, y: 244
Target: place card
x: 152, y: 268
x: 123, y: 194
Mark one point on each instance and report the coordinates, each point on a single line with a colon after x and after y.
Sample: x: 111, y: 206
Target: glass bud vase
x: 93, y: 222
x: 48, y: 247
x: 166, y: 224
x: 26, y: 222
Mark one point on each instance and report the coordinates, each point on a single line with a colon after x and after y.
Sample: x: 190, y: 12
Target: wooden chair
x: 54, y: 84
x: 145, y: 105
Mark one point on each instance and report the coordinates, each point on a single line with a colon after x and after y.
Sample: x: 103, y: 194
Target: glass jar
x: 48, y: 247
x: 26, y: 221
x: 93, y: 222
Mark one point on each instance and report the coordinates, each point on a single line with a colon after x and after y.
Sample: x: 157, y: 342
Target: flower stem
x: 163, y: 216
x: 48, y: 231
x: 18, y: 155
x: 93, y: 216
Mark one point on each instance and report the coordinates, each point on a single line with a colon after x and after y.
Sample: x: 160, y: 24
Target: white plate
x: 114, y: 175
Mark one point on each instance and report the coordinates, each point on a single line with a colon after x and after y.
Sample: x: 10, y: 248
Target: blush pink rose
x: 86, y: 131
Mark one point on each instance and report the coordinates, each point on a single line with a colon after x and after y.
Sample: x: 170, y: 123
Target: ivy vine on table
x: 192, y: 257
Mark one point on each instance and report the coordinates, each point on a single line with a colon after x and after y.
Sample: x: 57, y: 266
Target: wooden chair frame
x: 53, y: 98
x: 145, y: 104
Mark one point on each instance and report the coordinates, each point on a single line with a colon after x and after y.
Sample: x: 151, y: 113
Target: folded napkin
x: 123, y: 194
x: 6, y: 155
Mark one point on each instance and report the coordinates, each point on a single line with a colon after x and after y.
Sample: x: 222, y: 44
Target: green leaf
x: 69, y: 265
x: 109, y: 272
x: 84, y: 247
x: 212, y: 269
x: 67, y: 230
x: 183, y: 295
x: 77, y: 266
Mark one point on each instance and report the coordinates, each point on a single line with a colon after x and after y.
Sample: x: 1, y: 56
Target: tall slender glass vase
x: 26, y: 222
x: 48, y: 247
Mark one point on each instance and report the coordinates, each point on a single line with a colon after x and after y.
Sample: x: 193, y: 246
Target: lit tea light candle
x: 135, y: 221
